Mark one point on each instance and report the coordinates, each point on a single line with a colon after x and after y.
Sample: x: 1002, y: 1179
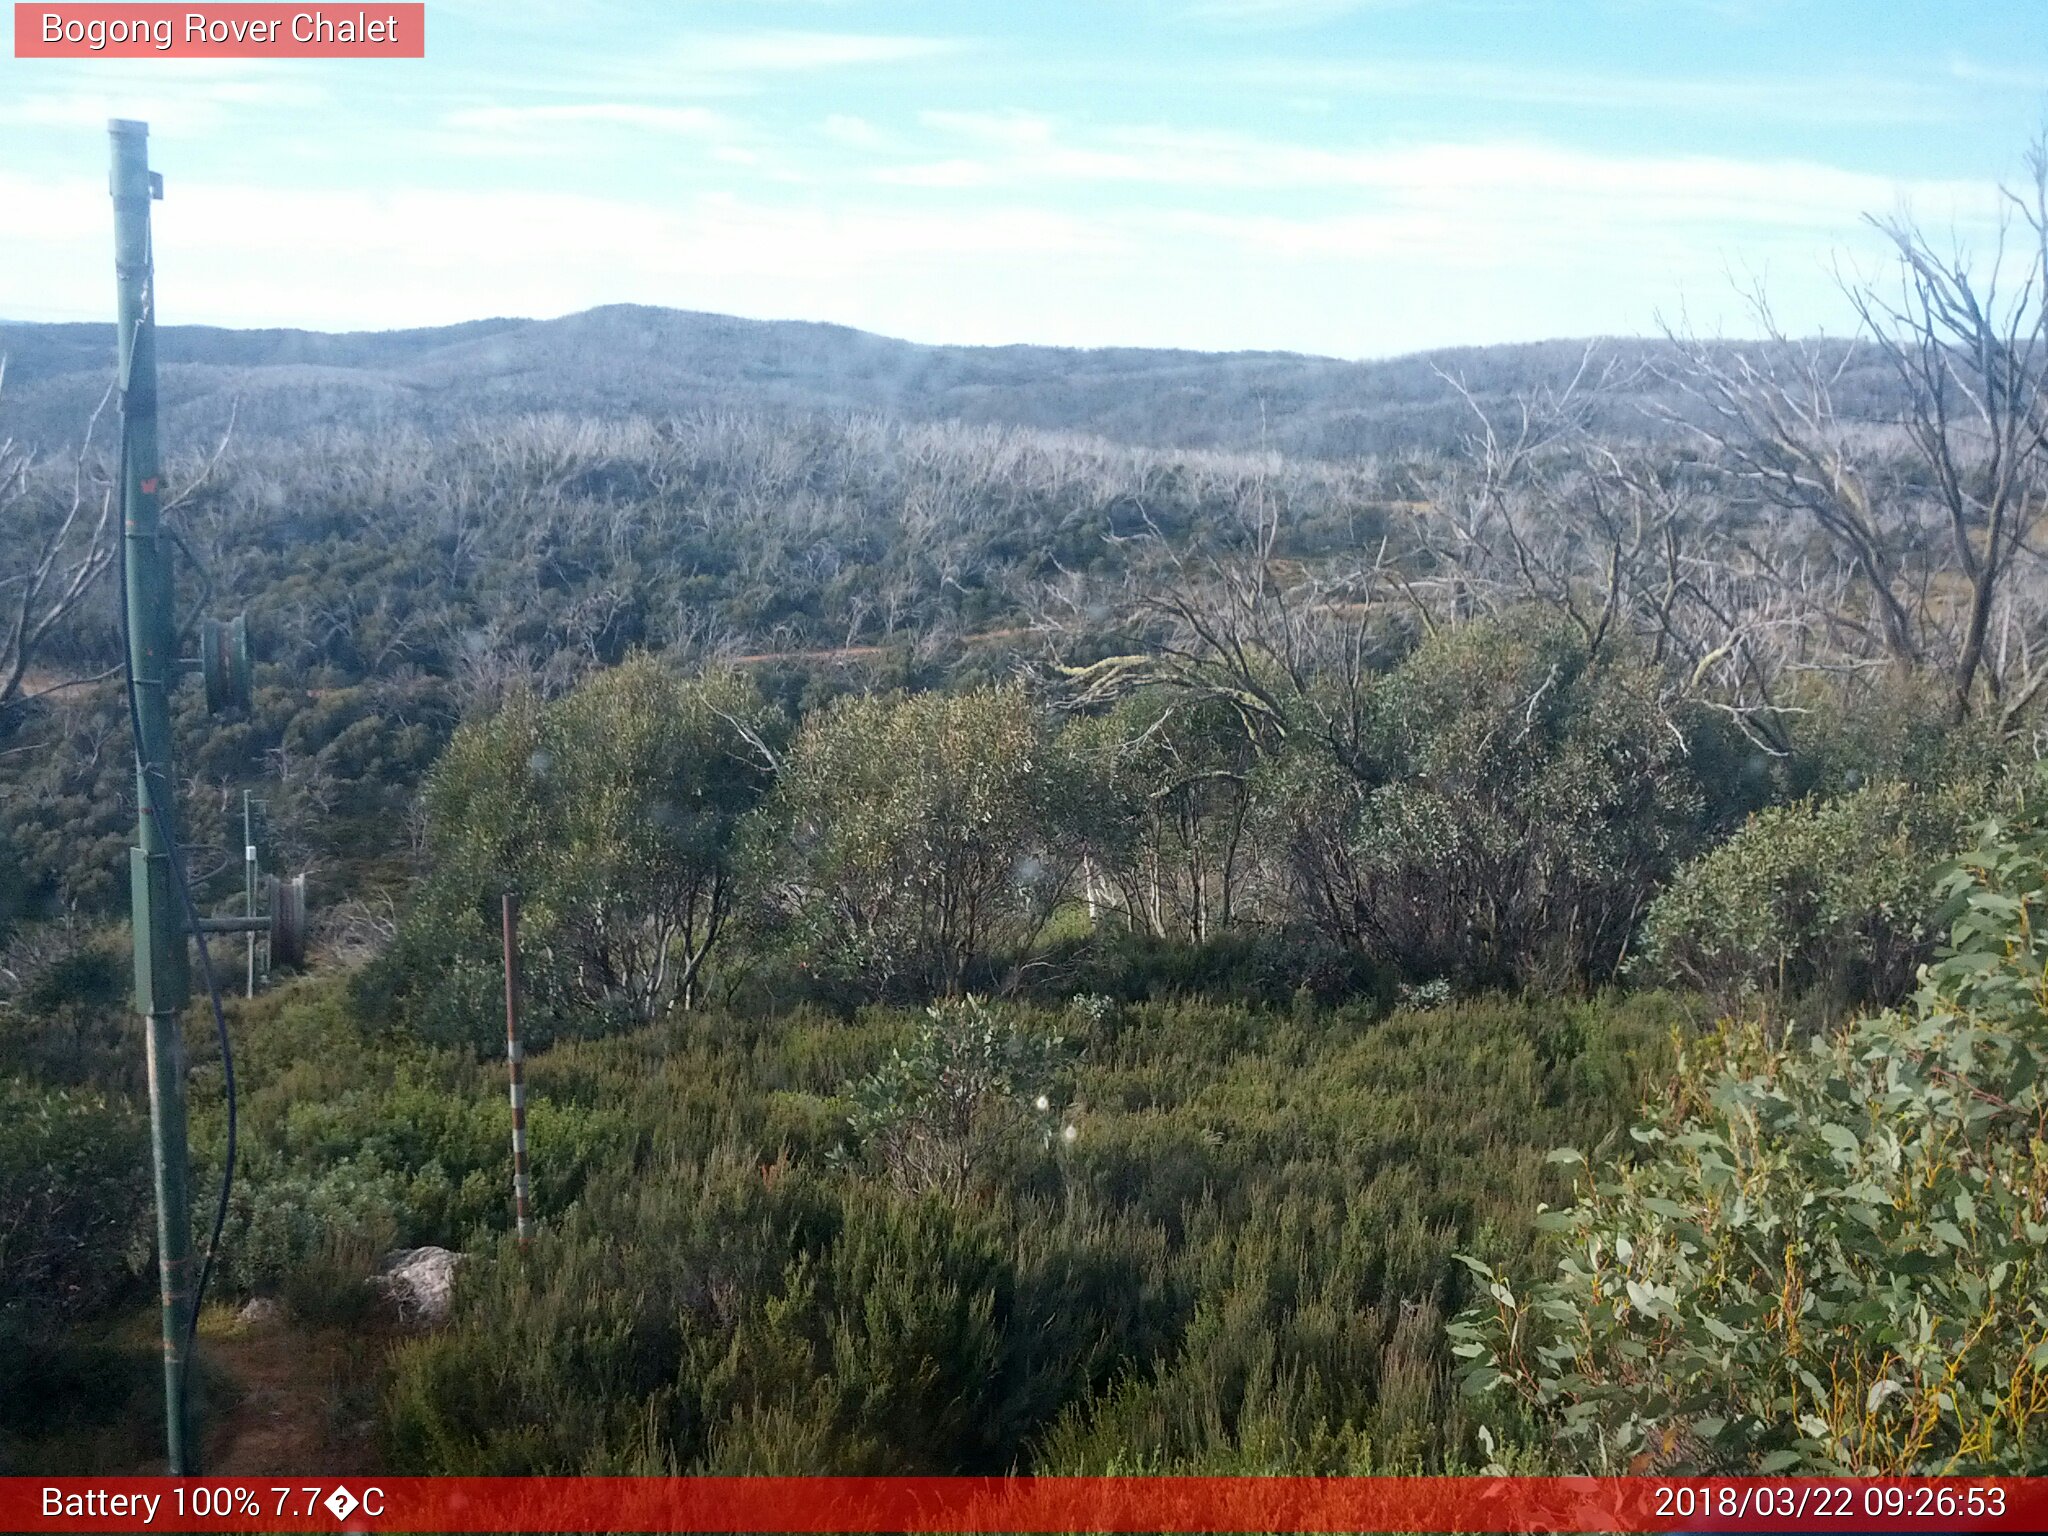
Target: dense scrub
x: 399, y: 583
x: 1194, y: 1195
x: 1237, y: 1262
x: 1240, y: 1258
x: 1826, y: 1258
x: 1509, y: 806
x: 1827, y: 900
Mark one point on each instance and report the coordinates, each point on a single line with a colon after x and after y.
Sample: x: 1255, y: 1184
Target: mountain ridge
x: 626, y: 359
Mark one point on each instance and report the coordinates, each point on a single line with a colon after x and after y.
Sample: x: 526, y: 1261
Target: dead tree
x: 1932, y: 507
x: 1292, y: 651
x: 1969, y: 354
x: 64, y: 522
x: 62, y: 528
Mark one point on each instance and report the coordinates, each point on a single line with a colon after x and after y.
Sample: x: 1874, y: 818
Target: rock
x: 420, y: 1283
x: 260, y: 1312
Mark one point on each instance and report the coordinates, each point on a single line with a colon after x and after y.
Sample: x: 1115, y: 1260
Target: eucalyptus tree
x: 615, y: 812
x: 911, y: 840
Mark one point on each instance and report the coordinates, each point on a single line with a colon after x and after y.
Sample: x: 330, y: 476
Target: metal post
x: 249, y: 884
x: 516, y: 1061
x: 161, y: 982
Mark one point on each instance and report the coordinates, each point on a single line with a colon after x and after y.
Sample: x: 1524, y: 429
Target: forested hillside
x: 627, y: 360
x: 1132, y: 948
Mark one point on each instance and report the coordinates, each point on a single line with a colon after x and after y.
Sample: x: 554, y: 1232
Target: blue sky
x: 1351, y: 177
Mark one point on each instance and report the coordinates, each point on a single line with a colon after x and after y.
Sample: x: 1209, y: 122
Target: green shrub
x: 574, y: 1357
x: 910, y: 842
x: 74, y: 1211
x: 1248, y: 966
x: 329, y: 1287
x: 73, y: 1199
x: 14, y: 902
x: 1511, y: 801
x: 1827, y: 1257
x: 970, y: 1083
x: 65, y: 1015
x: 1166, y: 813
x: 1832, y: 897
x: 282, y: 1223
x: 355, y: 1141
x: 1849, y: 733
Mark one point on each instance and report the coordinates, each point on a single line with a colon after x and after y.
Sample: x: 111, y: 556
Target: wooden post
x: 517, y: 1065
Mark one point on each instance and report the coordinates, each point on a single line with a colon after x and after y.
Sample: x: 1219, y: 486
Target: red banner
x: 966, y: 1504
x: 243, y: 31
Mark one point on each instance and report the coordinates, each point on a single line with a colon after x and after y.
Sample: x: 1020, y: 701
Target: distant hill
x: 635, y: 360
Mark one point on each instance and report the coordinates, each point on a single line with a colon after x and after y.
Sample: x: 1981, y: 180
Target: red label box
x: 375, y: 30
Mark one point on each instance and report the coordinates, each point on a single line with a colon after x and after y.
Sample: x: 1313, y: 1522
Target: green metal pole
x: 161, y: 982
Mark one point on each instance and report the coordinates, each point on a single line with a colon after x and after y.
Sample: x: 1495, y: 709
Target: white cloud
x: 181, y: 108
x: 854, y: 132
x: 1517, y: 181
x: 1837, y: 96
x: 695, y: 122
x: 782, y: 51
x: 1353, y: 251
x: 730, y: 63
x: 939, y: 173
x: 1011, y: 130
x: 1999, y: 77
x: 1283, y: 13
x: 240, y: 255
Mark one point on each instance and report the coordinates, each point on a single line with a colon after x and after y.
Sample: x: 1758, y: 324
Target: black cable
x: 163, y: 807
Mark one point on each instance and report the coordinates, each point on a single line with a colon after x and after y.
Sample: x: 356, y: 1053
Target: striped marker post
x: 516, y: 1061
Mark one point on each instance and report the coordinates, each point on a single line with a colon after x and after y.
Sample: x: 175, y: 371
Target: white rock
x: 420, y: 1283
x: 260, y: 1312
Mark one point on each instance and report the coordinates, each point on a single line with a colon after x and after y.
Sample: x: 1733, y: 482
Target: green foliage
x: 1827, y: 896
x: 613, y: 811
x: 1511, y: 804
x: 1827, y: 1257
x: 1168, y: 810
x: 1257, y: 967
x: 1241, y: 1260
x: 970, y: 1079
x: 912, y: 840
x: 336, y: 764
x: 1237, y: 1263
x: 73, y: 1206
x: 64, y: 1010
x: 86, y: 976
x: 354, y: 1142
x: 13, y: 887
x: 1846, y: 736
x: 715, y: 1318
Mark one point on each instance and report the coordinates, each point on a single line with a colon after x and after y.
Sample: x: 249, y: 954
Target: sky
x: 1356, y: 178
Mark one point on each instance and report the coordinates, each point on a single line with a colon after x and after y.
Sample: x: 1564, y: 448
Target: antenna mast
x: 161, y: 980
x: 164, y: 916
